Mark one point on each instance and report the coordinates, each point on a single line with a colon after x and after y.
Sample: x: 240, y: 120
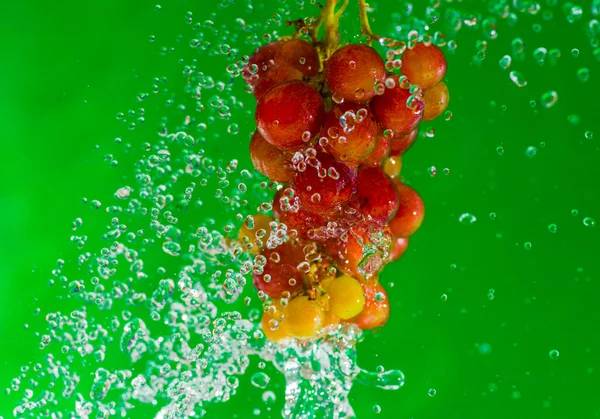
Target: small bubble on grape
x: 431, y: 392
x: 552, y: 228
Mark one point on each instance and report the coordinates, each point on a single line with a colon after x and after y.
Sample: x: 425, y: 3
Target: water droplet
x: 505, y: 62
x: 377, y: 408
x: 233, y: 128
x: 553, y: 354
x: 583, y: 74
x: 574, y: 119
x: 549, y: 99
x: 589, y: 135
x: 431, y: 392
x: 171, y: 248
x: 517, y: 78
x: 484, y: 348
x: 527, y: 245
x: 531, y: 152
x: 467, y: 218
x: 260, y: 380
x: 444, y: 297
x: 552, y: 228
x: 589, y: 222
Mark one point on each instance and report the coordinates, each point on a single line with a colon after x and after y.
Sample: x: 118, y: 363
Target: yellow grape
x: 346, y: 297
x: 304, y: 317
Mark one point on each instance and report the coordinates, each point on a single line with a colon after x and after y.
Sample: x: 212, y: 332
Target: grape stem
x: 331, y: 18
x: 364, y: 22
x: 328, y: 17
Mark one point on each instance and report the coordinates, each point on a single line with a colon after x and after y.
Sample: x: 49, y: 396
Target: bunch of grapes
x: 332, y: 131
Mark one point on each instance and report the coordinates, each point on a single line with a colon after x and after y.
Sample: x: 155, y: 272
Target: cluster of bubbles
x: 159, y: 307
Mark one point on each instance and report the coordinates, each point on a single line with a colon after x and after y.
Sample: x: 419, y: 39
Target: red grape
x: 361, y: 252
x: 277, y: 62
x: 321, y: 182
x: 275, y: 75
x: 351, y: 132
x: 288, y: 211
x: 290, y: 114
x: 411, y: 212
x: 376, y: 311
x: 280, y: 273
x: 376, y: 194
x: 353, y: 71
x: 300, y: 55
x: 435, y: 100
x: 399, y: 246
x: 401, y: 145
x: 424, y: 65
x: 261, y: 61
x: 269, y: 160
x: 397, y: 110
x: 379, y: 153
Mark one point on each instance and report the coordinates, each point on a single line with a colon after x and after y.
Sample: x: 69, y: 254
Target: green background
x: 69, y: 68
